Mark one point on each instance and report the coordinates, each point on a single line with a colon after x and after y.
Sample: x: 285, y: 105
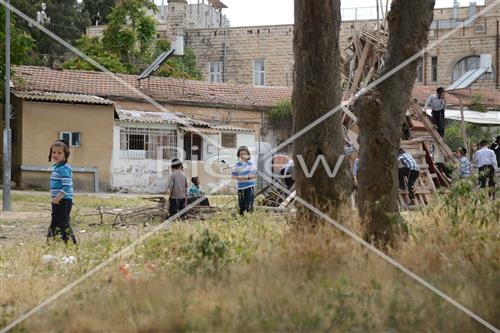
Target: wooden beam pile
x: 362, y: 64
x: 364, y: 58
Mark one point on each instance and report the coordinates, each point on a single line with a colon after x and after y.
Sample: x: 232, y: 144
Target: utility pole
x: 7, y: 133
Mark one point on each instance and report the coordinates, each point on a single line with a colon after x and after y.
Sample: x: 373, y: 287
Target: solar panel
x: 466, y: 80
x: 156, y: 64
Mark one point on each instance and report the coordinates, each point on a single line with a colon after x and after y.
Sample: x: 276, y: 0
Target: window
x: 148, y: 143
x: 259, y: 78
x: 228, y: 140
x: 214, y: 71
x: 467, y: 64
x: 420, y: 71
x: 434, y: 69
x: 72, y: 138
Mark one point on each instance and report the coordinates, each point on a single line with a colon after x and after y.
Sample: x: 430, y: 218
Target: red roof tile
x: 233, y: 95
x: 159, y: 88
x: 34, y: 95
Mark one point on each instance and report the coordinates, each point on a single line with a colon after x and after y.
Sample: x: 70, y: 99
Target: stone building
x: 263, y: 55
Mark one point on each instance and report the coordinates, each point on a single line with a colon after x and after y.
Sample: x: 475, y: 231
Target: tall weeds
x: 259, y: 274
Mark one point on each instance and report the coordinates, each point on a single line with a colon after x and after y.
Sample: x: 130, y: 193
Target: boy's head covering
x: 176, y: 163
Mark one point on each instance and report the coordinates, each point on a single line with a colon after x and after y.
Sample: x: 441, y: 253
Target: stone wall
x: 237, y: 48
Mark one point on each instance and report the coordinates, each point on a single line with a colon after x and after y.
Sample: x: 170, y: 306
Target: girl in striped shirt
x: 61, y: 192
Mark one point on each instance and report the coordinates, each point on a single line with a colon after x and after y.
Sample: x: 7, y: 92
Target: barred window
x: 148, y: 143
x: 228, y: 140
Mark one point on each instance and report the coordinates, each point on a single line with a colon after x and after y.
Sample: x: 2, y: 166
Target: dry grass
x: 259, y: 274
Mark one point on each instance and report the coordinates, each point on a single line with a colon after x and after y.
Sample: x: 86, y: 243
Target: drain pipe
x: 498, y: 61
x: 93, y: 170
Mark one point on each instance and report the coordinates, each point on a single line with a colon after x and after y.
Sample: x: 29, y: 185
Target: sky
x: 271, y: 12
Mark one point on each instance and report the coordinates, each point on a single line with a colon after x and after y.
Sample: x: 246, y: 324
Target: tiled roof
x: 230, y: 95
x: 159, y: 88
x: 187, y: 123
x: 231, y: 128
x: 152, y: 117
x: 61, y: 97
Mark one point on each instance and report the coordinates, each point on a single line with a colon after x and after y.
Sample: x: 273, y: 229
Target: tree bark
x: 381, y: 113
x: 317, y: 91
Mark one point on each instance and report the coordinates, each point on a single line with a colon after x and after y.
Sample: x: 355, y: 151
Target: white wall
x: 150, y: 176
x: 138, y: 175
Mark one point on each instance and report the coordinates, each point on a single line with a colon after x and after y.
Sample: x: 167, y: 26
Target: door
x: 193, y: 146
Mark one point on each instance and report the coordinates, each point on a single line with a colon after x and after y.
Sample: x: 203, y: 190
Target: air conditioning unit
x: 480, y: 28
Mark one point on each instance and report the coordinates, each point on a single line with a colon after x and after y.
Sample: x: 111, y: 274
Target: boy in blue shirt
x: 61, y: 192
x: 245, y: 172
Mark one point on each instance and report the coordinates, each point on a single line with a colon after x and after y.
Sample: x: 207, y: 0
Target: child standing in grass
x: 244, y: 172
x: 61, y: 192
x: 177, y: 186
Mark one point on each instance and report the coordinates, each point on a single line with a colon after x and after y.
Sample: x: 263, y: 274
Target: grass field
x: 251, y: 274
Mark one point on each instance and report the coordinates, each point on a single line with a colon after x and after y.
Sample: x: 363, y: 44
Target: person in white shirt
x: 486, y: 162
x: 437, y: 103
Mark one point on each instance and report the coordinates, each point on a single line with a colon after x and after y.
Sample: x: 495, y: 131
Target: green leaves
x: 21, y: 45
x: 128, y: 45
x: 280, y: 112
x: 93, y: 48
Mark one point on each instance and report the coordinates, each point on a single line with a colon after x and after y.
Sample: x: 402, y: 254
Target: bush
x: 477, y: 103
x: 205, y: 253
x: 281, y: 112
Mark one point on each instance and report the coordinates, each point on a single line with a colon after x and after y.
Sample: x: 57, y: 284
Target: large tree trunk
x: 316, y: 91
x: 381, y: 113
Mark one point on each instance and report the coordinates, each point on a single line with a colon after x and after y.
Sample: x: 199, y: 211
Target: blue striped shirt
x: 465, y: 167
x: 61, y: 180
x: 408, y: 161
x: 242, y: 169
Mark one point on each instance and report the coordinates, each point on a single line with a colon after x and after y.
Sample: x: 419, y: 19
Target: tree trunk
x: 317, y: 91
x: 381, y: 114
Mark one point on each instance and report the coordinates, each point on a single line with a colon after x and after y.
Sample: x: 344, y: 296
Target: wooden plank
x: 360, y: 69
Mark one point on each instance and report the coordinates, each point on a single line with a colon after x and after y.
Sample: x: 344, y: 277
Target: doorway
x: 193, y: 146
